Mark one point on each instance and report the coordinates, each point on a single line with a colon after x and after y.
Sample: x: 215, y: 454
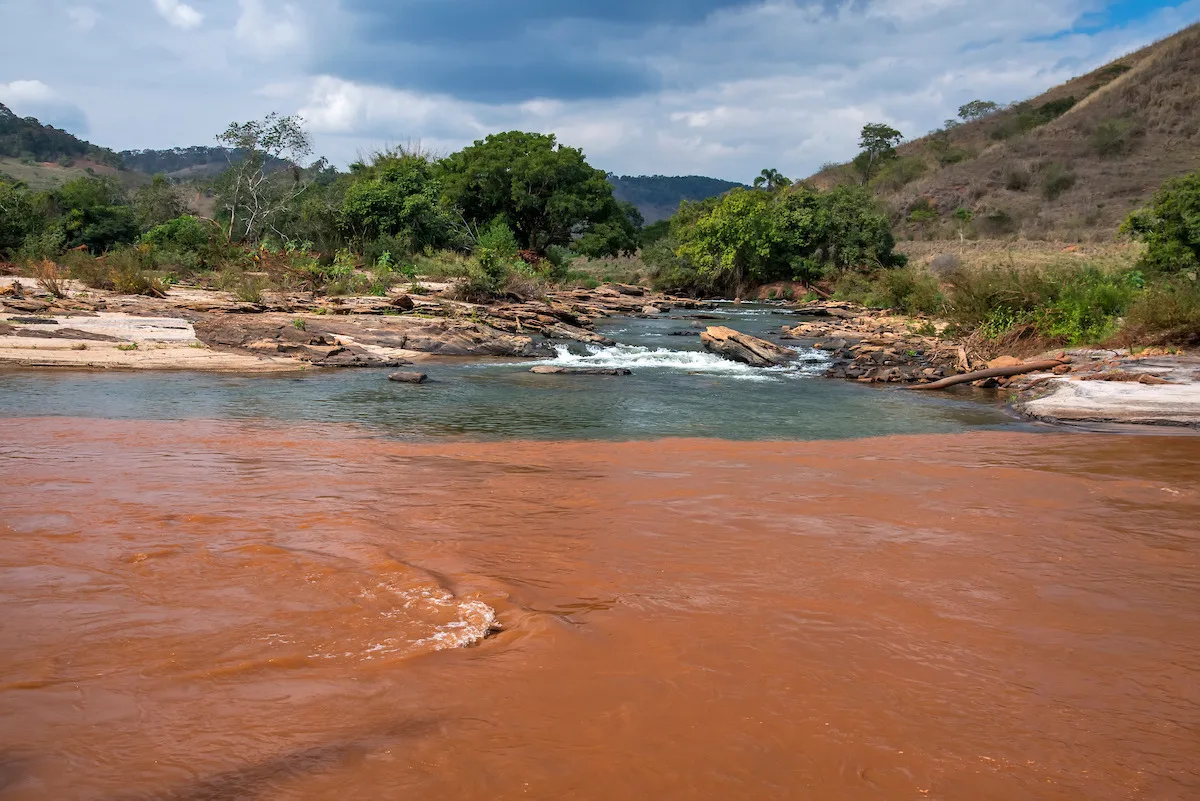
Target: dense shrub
x: 1068, y: 304
x: 1170, y: 227
x: 1017, y: 179
x: 396, y: 197
x: 749, y: 237
x: 1056, y: 179
x: 1167, y: 313
x: 909, y: 289
x: 1112, y: 137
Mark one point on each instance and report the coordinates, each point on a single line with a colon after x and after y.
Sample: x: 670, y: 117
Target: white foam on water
x: 637, y: 357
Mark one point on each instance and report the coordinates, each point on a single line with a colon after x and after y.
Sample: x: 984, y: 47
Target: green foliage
x: 748, y: 237
x: 93, y: 212
x: 254, y: 193
x: 976, y: 109
x: 546, y: 193
x: 771, y: 179
x: 26, y: 138
x: 157, y: 202
x: 396, y: 197
x: 1024, y: 117
x: 20, y: 217
x: 1068, y: 304
x: 614, y: 234
x: 1170, y: 227
x: 896, y: 173
x: 184, y: 233
x: 878, y: 142
x: 909, y: 290
x: 1167, y: 313
x: 655, y: 232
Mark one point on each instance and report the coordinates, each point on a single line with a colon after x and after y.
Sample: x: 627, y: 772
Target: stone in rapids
x: 744, y: 348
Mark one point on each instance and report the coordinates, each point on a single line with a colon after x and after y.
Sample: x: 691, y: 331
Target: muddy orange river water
x: 215, y: 610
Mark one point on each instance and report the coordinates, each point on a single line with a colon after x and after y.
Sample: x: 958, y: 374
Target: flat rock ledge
x: 1075, y: 401
x: 549, y: 369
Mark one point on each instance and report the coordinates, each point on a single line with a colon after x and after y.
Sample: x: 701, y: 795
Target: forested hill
x: 658, y: 196
x: 26, y: 138
x: 181, y: 163
x: 1069, y: 164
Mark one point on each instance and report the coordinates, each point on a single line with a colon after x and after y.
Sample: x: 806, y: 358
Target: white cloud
x: 83, y: 18
x: 34, y: 98
x: 270, y: 32
x: 178, y: 14
x: 17, y: 92
x: 784, y: 84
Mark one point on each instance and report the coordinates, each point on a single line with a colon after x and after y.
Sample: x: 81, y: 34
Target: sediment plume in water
x: 217, y: 610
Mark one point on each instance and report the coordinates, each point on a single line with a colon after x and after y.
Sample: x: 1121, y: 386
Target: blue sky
x: 713, y: 87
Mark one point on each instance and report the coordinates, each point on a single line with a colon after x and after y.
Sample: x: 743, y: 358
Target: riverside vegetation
x: 517, y: 214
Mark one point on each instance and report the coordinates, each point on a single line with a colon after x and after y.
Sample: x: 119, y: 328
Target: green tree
x: 976, y: 109
x: 256, y: 190
x: 771, y: 179
x: 93, y: 212
x: 158, y: 202
x: 748, y: 237
x: 20, y: 216
x: 397, y: 195
x: 1170, y: 227
x: 878, y: 142
x: 547, y: 193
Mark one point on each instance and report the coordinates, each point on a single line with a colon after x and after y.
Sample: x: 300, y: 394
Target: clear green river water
x: 676, y: 390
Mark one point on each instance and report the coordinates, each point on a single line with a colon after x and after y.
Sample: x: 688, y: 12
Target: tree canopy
x: 1170, y: 227
x: 878, y: 142
x: 397, y: 195
x: 747, y: 237
x: 547, y: 193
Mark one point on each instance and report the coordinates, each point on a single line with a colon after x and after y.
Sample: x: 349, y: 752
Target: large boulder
x: 744, y: 348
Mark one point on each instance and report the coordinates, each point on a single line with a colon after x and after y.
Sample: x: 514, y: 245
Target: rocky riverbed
x: 193, y: 328
x: 198, y: 329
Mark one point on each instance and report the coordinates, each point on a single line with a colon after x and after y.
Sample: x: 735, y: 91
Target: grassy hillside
x: 1068, y: 165
x: 657, y: 197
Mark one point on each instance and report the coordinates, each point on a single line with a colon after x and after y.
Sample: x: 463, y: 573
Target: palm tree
x: 771, y: 179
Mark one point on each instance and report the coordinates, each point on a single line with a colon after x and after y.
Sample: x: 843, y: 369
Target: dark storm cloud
x: 502, y: 52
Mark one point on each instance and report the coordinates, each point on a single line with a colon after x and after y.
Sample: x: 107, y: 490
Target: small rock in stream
x: 409, y: 377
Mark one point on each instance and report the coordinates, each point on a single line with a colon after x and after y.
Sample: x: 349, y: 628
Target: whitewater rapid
x: 638, y: 357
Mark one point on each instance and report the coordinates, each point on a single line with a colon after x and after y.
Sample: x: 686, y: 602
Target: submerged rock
x: 744, y: 348
x: 409, y: 377
x: 548, y: 369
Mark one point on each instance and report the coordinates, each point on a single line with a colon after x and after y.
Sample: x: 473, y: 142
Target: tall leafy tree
x: 976, y: 109
x: 397, y: 195
x: 254, y: 191
x: 93, y: 212
x: 157, y: 202
x: 878, y: 142
x: 547, y: 193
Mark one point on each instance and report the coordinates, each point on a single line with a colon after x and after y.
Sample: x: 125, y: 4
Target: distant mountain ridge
x: 1069, y: 164
x: 26, y: 138
x: 182, y: 163
x: 658, y: 197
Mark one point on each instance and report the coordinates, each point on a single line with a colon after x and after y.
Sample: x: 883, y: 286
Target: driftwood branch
x: 993, y: 372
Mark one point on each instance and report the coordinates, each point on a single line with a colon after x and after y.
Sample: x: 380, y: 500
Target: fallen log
x: 994, y: 372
